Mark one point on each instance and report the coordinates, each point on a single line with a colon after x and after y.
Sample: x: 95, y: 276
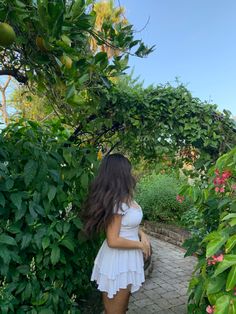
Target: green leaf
x: 66, y: 40
x: 199, y: 291
x: 214, y: 245
x: 45, y: 243
x: 27, y: 292
x: 231, y: 279
x: 232, y: 222
x: 68, y: 243
x: 216, y: 284
x: 55, y: 254
x: 230, y: 243
x: 68, y: 156
x: 70, y: 91
x: 16, y: 199
x: 30, y: 170
x: 6, y: 239
x: 78, y: 223
x: 228, y: 261
x: 32, y: 210
x: 224, y: 202
x: 23, y: 269
x: 105, y: 81
x: 5, y: 254
x: 41, y: 299
x: 2, y: 199
x: 26, y: 239
x: 20, y: 212
x: 46, y: 311
x: 232, y: 215
x: 222, y: 305
x: 212, y: 236
x: 77, y: 8
x: 20, y: 4
x: 84, y: 180
x: 9, y: 184
x: 52, y: 192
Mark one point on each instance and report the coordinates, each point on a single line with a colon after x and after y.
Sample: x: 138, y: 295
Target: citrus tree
x: 46, y: 44
x: 31, y: 106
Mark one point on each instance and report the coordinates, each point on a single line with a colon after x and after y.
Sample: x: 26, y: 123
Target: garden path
x: 165, y: 290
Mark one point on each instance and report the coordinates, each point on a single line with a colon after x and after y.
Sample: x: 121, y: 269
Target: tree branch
x: 7, y: 83
x: 19, y: 77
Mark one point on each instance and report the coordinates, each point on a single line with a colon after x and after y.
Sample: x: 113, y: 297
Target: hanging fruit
x: 7, y: 35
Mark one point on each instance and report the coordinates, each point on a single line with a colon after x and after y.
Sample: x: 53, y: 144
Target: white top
x: 116, y: 268
x: 132, y: 217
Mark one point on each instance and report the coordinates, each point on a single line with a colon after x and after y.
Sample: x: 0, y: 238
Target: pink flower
x: 234, y: 187
x: 222, y: 189
x: 219, y: 258
x: 214, y: 259
x: 226, y: 174
x: 210, y: 309
x: 180, y: 198
x: 217, y: 189
x: 218, y: 181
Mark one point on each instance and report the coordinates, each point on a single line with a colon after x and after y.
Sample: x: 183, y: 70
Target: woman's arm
x: 115, y: 241
x: 140, y: 232
x: 145, y: 239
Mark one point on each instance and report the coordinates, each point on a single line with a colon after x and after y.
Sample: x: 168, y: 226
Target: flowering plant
x: 212, y: 288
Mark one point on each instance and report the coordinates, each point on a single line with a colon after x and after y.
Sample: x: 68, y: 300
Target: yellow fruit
x: 40, y: 43
x: 7, y: 35
x: 66, y: 61
x: 99, y: 155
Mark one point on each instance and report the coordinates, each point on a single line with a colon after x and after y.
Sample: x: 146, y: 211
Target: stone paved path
x: 165, y: 291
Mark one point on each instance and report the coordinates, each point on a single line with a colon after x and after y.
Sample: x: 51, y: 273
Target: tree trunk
x: 4, y: 107
x: 4, y: 100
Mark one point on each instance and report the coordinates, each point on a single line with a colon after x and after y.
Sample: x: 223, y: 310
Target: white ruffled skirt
x: 115, y: 269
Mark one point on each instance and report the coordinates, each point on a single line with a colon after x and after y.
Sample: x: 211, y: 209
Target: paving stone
x: 165, y: 290
x: 142, y: 303
x: 163, y: 303
x: 153, y: 294
x: 180, y: 309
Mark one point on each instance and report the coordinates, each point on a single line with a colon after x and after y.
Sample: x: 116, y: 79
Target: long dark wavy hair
x: 113, y: 185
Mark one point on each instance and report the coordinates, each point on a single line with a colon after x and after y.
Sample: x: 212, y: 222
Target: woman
x: 118, y: 267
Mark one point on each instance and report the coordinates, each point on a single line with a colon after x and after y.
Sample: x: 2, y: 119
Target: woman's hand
x: 146, y: 245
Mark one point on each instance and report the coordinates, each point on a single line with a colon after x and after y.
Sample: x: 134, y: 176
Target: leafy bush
x: 191, y: 218
x: 45, y: 262
x: 213, y: 286
x: 157, y: 193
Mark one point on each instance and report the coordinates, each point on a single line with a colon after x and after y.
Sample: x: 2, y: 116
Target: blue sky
x: 195, y: 41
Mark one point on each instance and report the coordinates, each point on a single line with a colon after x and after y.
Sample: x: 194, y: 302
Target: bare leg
x: 118, y: 304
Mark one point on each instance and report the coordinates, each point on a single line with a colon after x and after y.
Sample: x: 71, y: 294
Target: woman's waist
x: 129, y: 234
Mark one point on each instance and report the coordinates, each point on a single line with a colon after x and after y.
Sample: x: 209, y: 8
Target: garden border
x: 166, y: 232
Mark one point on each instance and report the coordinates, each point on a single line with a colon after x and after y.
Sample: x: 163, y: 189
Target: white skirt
x: 115, y: 269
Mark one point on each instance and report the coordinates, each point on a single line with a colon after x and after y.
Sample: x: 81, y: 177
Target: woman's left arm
x: 144, y: 238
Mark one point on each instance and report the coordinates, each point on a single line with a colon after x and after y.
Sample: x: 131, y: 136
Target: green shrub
x: 213, y: 285
x: 191, y: 218
x: 157, y: 193
x: 45, y: 263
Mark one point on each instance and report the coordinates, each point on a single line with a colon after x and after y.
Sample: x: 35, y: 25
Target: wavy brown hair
x: 113, y: 185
